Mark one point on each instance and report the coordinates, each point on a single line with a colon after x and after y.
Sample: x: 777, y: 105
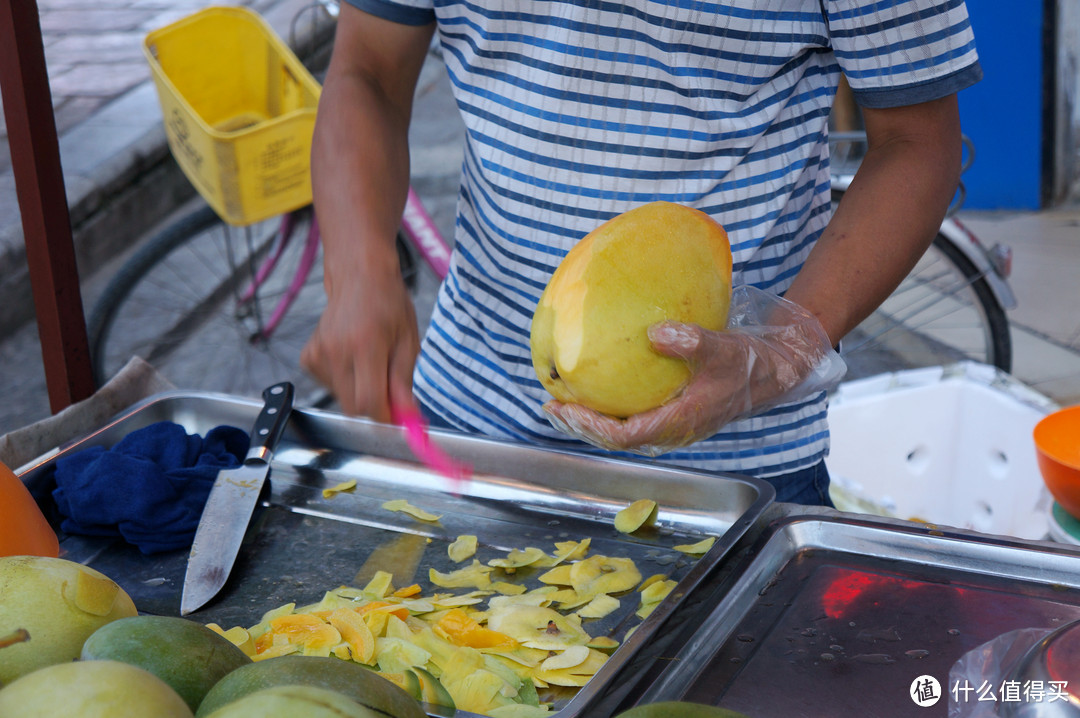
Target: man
x: 577, y: 111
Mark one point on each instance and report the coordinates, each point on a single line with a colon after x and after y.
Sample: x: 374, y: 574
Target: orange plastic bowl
x: 1057, y: 448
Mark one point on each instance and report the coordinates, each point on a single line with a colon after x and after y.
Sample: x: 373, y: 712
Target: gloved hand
x: 772, y: 352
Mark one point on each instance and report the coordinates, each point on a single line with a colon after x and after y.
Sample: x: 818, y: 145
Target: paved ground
x: 118, y: 173
x: 1045, y: 324
x: 121, y: 184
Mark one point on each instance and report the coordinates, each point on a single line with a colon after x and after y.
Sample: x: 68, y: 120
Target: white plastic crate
x: 946, y: 445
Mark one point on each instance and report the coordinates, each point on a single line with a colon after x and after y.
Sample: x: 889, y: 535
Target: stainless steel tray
x: 839, y: 616
x: 302, y: 544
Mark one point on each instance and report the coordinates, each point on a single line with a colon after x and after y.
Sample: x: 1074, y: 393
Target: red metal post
x: 39, y: 184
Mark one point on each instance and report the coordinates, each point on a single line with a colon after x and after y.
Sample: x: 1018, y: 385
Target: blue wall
x: 1003, y: 113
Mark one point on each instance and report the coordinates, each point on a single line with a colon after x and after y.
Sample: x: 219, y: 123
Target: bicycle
x: 202, y: 282
x: 254, y: 292
x: 951, y: 307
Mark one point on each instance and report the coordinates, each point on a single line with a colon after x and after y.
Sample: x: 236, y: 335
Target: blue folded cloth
x: 150, y: 488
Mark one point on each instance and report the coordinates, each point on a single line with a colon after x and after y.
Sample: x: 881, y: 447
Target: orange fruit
x: 23, y: 528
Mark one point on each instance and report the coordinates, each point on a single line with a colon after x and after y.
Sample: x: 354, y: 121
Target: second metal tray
x: 840, y: 616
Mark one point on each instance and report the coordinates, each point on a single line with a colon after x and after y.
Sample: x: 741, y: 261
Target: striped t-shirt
x: 576, y: 111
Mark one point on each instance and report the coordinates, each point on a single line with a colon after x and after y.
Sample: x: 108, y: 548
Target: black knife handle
x: 270, y: 424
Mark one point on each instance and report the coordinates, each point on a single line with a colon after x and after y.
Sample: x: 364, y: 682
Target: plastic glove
x: 772, y: 352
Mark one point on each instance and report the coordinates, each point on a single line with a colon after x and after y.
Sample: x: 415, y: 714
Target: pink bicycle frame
x: 425, y: 236
x: 419, y: 228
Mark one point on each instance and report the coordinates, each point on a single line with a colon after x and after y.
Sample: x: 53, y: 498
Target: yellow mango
x: 395, y: 655
x: 603, y: 643
x: 238, y: 636
x: 518, y: 558
x: 559, y: 576
x: 603, y: 574
x: 355, y: 632
x: 536, y: 627
x: 475, y: 575
x: 456, y: 626
x: 405, y: 507
x: 697, y: 548
x: 49, y: 607
x: 640, y: 513
x: 599, y: 606
x: 462, y: 549
x: 659, y: 261
x: 306, y: 630
x: 571, y: 550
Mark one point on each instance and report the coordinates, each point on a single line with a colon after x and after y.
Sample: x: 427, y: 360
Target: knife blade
x: 231, y: 503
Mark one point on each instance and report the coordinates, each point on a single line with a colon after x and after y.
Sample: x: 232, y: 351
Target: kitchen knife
x: 232, y: 500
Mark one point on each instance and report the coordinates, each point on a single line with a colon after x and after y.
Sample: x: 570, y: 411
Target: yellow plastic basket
x: 239, y: 111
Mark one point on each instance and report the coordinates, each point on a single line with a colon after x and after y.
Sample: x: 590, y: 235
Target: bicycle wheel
x: 180, y: 304
x: 186, y: 303
x: 943, y: 312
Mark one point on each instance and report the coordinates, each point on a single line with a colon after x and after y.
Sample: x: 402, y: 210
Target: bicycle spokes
x: 299, y: 279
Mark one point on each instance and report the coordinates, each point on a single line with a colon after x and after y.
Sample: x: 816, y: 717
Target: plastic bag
x: 983, y: 683
x: 772, y: 352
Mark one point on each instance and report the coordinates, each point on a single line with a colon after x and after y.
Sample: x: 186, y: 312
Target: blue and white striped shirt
x: 576, y: 111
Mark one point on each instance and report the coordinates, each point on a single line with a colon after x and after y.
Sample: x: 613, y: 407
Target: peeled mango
x: 361, y: 685
x: 659, y: 261
x: 294, y: 701
x: 91, y: 689
x: 58, y: 603
x: 679, y: 709
x: 187, y: 655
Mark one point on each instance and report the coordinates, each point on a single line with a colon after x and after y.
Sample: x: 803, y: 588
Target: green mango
x: 430, y: 689
x: 679, y: 709
x: 293, y: 701
x: 187, y: 655
x: 361, y: 684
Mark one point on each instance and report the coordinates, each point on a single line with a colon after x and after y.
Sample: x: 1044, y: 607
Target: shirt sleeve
x: 405, y: 12
x: 902, y: 52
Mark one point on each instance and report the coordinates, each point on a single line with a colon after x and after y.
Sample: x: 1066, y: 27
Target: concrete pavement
x: 1045, y: 325
x: 121, y: 183
x: 119, y: 176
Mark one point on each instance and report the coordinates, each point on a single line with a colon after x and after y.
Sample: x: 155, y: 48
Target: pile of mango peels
x: 486, y: 650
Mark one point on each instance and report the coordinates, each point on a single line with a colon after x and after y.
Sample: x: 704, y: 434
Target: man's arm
x: 888, y: 216
x: 885, y: 222
x: 365, y: 345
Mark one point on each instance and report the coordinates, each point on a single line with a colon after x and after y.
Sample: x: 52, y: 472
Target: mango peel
x: 589, y: 335
x: 640, y: 513
x: 446, y: 649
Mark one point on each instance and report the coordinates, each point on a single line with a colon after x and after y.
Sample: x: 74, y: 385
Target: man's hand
x: 365, y: 345
x: 772, y: 352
